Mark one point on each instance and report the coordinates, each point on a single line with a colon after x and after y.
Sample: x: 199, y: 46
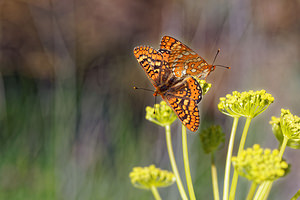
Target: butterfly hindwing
x: 183, y: 60
x: 183, y: 98
x: 188, y: 88
x: 186, y: 110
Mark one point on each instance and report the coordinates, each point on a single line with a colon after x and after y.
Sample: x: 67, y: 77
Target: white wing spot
x: 193, y: 70
x: 186, y: 53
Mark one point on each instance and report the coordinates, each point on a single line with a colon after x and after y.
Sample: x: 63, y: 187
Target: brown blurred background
x: 72, y: 127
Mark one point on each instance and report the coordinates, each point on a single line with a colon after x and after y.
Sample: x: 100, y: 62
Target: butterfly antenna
x: 136, y: 88
x: 218, y: 51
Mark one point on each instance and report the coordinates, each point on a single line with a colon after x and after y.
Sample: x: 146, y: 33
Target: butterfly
x: 183, y: 60
x: 181, y: 93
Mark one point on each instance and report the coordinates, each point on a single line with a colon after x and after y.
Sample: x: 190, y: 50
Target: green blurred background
x: 72, y: 127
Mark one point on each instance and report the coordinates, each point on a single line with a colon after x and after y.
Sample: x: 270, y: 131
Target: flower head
x: 146, y: 177
x: 160, y: 114
x: 258, y: 165
x: 276, y: 128
x: 204, y: 86
x: 247, y: 104
x: 211, y: 138
x: 290, y: 124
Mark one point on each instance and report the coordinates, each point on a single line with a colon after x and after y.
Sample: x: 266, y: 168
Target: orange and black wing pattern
x: 183, y: 98
x: 151, y: 61
x: 183, y: 60
x: 182, y: 94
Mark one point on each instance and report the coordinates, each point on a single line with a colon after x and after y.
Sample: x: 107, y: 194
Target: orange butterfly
x: 181, y: 93
x: 183, y: 60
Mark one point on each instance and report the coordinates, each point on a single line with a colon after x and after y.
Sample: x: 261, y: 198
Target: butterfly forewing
x: 184, y: 60
x: 150, y: 60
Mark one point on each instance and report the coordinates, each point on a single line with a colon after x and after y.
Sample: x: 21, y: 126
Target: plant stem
x: 283, y: 146
x: 155, y: 193
x: 228, y: 159
x: 173, y: 163
x: 251, y: 191
x: 214, y: 176
x: 187, y: 165
x: 241, y: 148
x: 263, y: 190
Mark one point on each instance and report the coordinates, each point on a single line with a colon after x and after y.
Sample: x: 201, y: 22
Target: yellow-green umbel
x: 161, y: 114
x: 147, y: 177
x: 247, y: 104
x: 276, y: 128
x: 290, y: 124
x: 258, y: 165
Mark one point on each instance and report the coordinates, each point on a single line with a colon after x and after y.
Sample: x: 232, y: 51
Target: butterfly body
x: 181, y: 93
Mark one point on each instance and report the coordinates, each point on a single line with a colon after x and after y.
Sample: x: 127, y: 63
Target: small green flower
x: 146, y: 177
x: 290, y: 124
x: 161, y: 114
x: 204, y: 86
x: 258, y: 165
x: 247, y: 104
x: 276, y: 128
x: 211, y: 138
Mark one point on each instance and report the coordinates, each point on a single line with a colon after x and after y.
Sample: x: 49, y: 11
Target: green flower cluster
x: 258, y: 165
x: 160, y: 114
x: 290, y: 124
x: 211, y: 138
x: 147, y: 177
x: 247, y: 104
x: 204, y: 86
x: 276, y: 128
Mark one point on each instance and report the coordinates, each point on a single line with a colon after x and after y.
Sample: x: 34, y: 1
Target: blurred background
x: 71, y: 125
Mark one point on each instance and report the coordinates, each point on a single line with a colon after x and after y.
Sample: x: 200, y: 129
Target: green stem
x: 259, y: 191
x: 187, y: 165
x: 251, y: 191
x: 263, y: 191
x: 283, y: 146
x: 214, y: 176
x: 241, y: 148
x: 155, y: 193
x: 173, y: 163
x: 244, y: 135
x: 228, y: 159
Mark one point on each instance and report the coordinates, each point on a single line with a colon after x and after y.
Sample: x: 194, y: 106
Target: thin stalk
x: 228, y: 159
x: 263, y: 190
x: 187, y: 165
x: 173, y: 163
x: 251, y: 191
x: 259, y: 191
x: 283, y: 146
x: 155, y: 193
x: 241, y: 148
x: 214, y: 176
